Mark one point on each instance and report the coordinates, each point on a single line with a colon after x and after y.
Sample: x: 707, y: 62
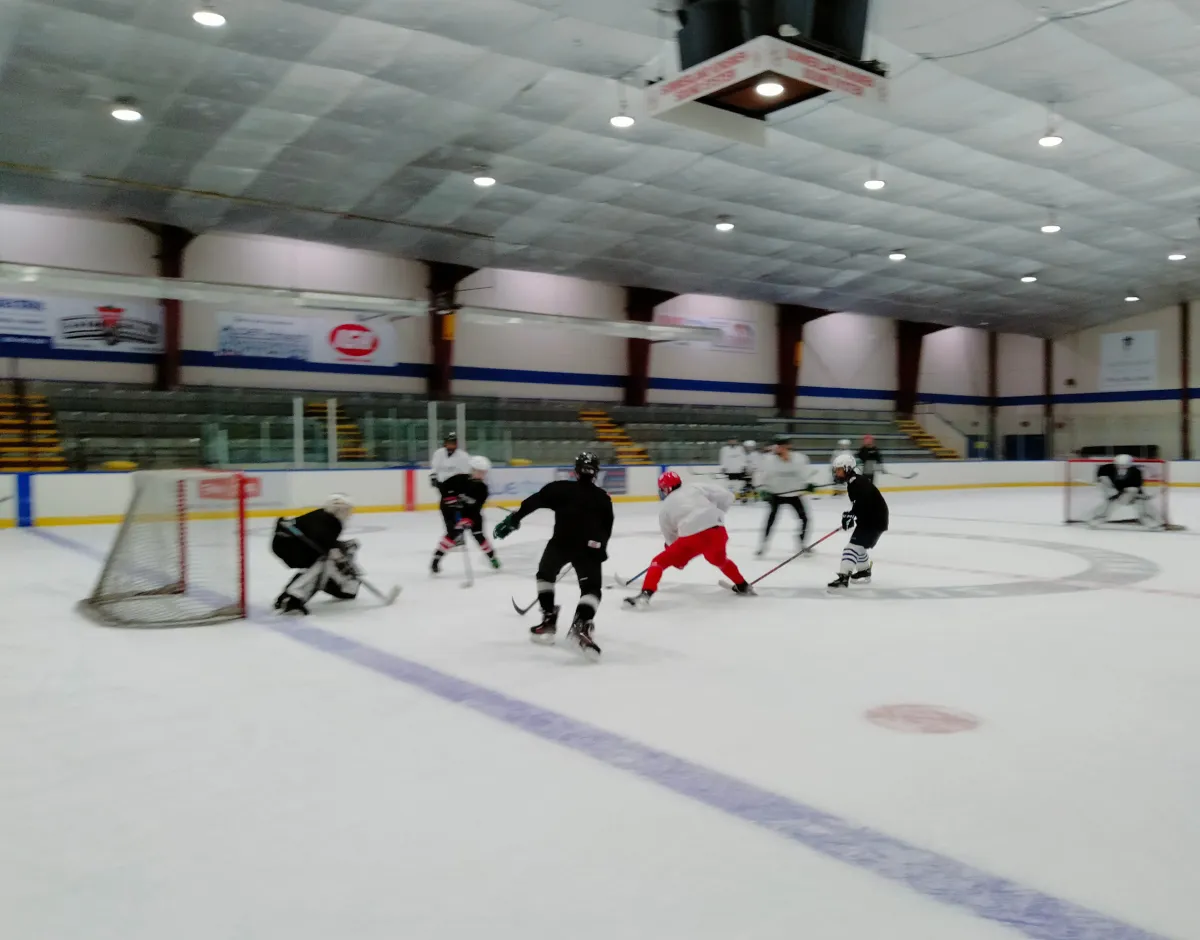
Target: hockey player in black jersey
x: 463, y: 496
x: 1121, y: 484
x: 583, y: 522
x: 312, y: 542
x: 869, y: 459
x: 867, y: 515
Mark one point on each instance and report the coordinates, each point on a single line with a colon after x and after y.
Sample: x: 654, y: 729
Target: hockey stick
x: 528, y: 607
x: 388, y: 599
x: 622, y: 583
x: 804, y: 550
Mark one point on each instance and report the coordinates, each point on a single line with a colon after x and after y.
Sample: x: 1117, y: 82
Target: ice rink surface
x: 424, y: 771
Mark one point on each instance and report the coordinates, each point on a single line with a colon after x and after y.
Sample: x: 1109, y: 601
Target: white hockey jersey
x: 445, y: 465
x: 785, y: 477
x: 754, y: 462
x: 693, y: 508
x: 732, y: 458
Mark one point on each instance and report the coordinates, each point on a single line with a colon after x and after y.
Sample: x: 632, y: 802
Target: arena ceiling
x: 362, y: 122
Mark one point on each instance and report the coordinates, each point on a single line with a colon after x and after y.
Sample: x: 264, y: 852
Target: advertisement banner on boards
x: 323, y: 338
x: 736, y: 335
x: 1128, y: 361
x: 508, y: 483
x: 92, y: 324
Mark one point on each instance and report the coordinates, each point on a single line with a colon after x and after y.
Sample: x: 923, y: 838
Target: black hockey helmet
x: 450, y: 436
x: 587, y: 465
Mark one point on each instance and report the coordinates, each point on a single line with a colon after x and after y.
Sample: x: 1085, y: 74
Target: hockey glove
x: 435, y: 482
x: 848, y: 520
x: 506, y: 527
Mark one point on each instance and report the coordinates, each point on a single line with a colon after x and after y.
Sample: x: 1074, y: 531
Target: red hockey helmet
x: 668, y: 483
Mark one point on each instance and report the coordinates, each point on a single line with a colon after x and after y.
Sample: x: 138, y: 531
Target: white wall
x: 489, y: 353
x: 954, y: 363
x: 848, y: 351
x: 74, y: 240
x: 689, y: 366
x: 299, y: 265
x: 1019, y: 373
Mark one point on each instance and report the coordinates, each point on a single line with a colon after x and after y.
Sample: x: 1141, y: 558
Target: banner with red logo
x: 98, y: 325
x: 320, y: 338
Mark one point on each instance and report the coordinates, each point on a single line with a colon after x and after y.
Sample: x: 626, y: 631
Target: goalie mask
x: 340, y: 507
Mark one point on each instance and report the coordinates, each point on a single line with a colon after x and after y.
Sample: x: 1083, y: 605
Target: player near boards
x: 692, y: 519
x: 463, y: 496
x: 870, y: 460
x: 312, y: 542
x: 583, y: 523
x: 1121, y: 484
x: 448, y: 461
x: 867, y: 516
x: 732, y: 459
x: 784, y: 479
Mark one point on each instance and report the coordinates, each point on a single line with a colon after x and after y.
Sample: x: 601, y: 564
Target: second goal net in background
x: 179, y: 558
x: 1081, y: 496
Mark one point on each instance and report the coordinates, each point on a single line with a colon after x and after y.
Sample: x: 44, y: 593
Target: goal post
x: 179, y: 558
x: 1081, y: 497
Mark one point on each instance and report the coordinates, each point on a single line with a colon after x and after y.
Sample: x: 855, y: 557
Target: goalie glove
x: 506, y: 527
x: 848, y: 520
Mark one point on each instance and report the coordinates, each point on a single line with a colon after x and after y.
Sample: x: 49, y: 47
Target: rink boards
x: 47, y: 499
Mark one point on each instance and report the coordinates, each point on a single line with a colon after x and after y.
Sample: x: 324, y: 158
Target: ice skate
x: 581, y: 633
x: 838, y: 583
x: 863, y: 577
x: 745, y: 589
x: 546, y: 631
x: 289, y: 606
x: 639, y: 601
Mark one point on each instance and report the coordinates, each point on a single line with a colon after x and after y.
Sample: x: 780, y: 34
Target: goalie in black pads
x: 867, y: 516
x: 463, y: 496
x: 583, y: 523
x: 1121, y: 484
x: 312, y: 543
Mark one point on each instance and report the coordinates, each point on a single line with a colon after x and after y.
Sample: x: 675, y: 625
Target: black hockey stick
x: 803, y: 551
x: 388, y: 599
x: 621, y: 582
x: 527, y: 608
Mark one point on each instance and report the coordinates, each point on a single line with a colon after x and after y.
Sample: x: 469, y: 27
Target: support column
x: 172, y: 240
x: 910, y: 337
x: 639, y: 307
x: 1185, y: 378
x: 790, y: 320
x: 993, y: 393
x: 1048, y: 396
x: 444, y: 279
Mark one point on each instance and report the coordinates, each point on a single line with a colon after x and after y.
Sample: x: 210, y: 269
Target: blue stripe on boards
x: 927, y: 873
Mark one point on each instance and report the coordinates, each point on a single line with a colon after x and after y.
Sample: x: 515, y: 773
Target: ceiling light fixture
x: 874, y: 184
x: 897, y: 256
x: 1028, y: 279
x: 1132, y: 298
x: 1176, y: 256
x: 771, y: 88
x: 126, y: 109
x: 484, y: 179
x: 723, y: 224
x: 207, y: 16
x: 1051, y: 227
x: 1051, y: 138
x: 621, y: 120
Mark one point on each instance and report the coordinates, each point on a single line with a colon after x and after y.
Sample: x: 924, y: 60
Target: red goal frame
x: 1155, y: 473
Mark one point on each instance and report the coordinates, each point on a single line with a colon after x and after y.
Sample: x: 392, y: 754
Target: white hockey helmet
x: 844, y: 443
x: 847, y: 466
x: 750, y: 445
x: 1124, y: 461
x: 480, y: 464
x: 340, y: 506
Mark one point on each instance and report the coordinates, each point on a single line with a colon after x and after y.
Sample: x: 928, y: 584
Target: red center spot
x: 922, y: 719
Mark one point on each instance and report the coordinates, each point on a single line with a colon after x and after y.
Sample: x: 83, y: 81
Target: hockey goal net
x: 179, y: 558
x: 1081, y: 496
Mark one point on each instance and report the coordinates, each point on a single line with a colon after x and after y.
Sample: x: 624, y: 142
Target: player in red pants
x: 692, y: 519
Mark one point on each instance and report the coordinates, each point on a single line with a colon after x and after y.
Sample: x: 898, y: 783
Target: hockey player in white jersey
x: 783, y: 481
x: 732, y: 459
x: 754, y: 462
x: 448, y: 461
x: 692, y: 519
x: 1120, y: 483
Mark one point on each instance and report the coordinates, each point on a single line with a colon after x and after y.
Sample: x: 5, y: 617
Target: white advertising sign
x: 93, y: 324
x: 1128, y: 361
x: 736, y: 335
x: 324, y: 338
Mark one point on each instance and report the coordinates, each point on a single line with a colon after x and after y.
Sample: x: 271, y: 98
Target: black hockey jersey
x: 867, y: 503
x: 470, y: 492
x: 583, y: 514
x: 1131, y: 480
x: 319, y: 533
x: 870, y: 459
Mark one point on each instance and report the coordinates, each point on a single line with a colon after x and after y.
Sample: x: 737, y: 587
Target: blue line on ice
x: 934, y: 876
